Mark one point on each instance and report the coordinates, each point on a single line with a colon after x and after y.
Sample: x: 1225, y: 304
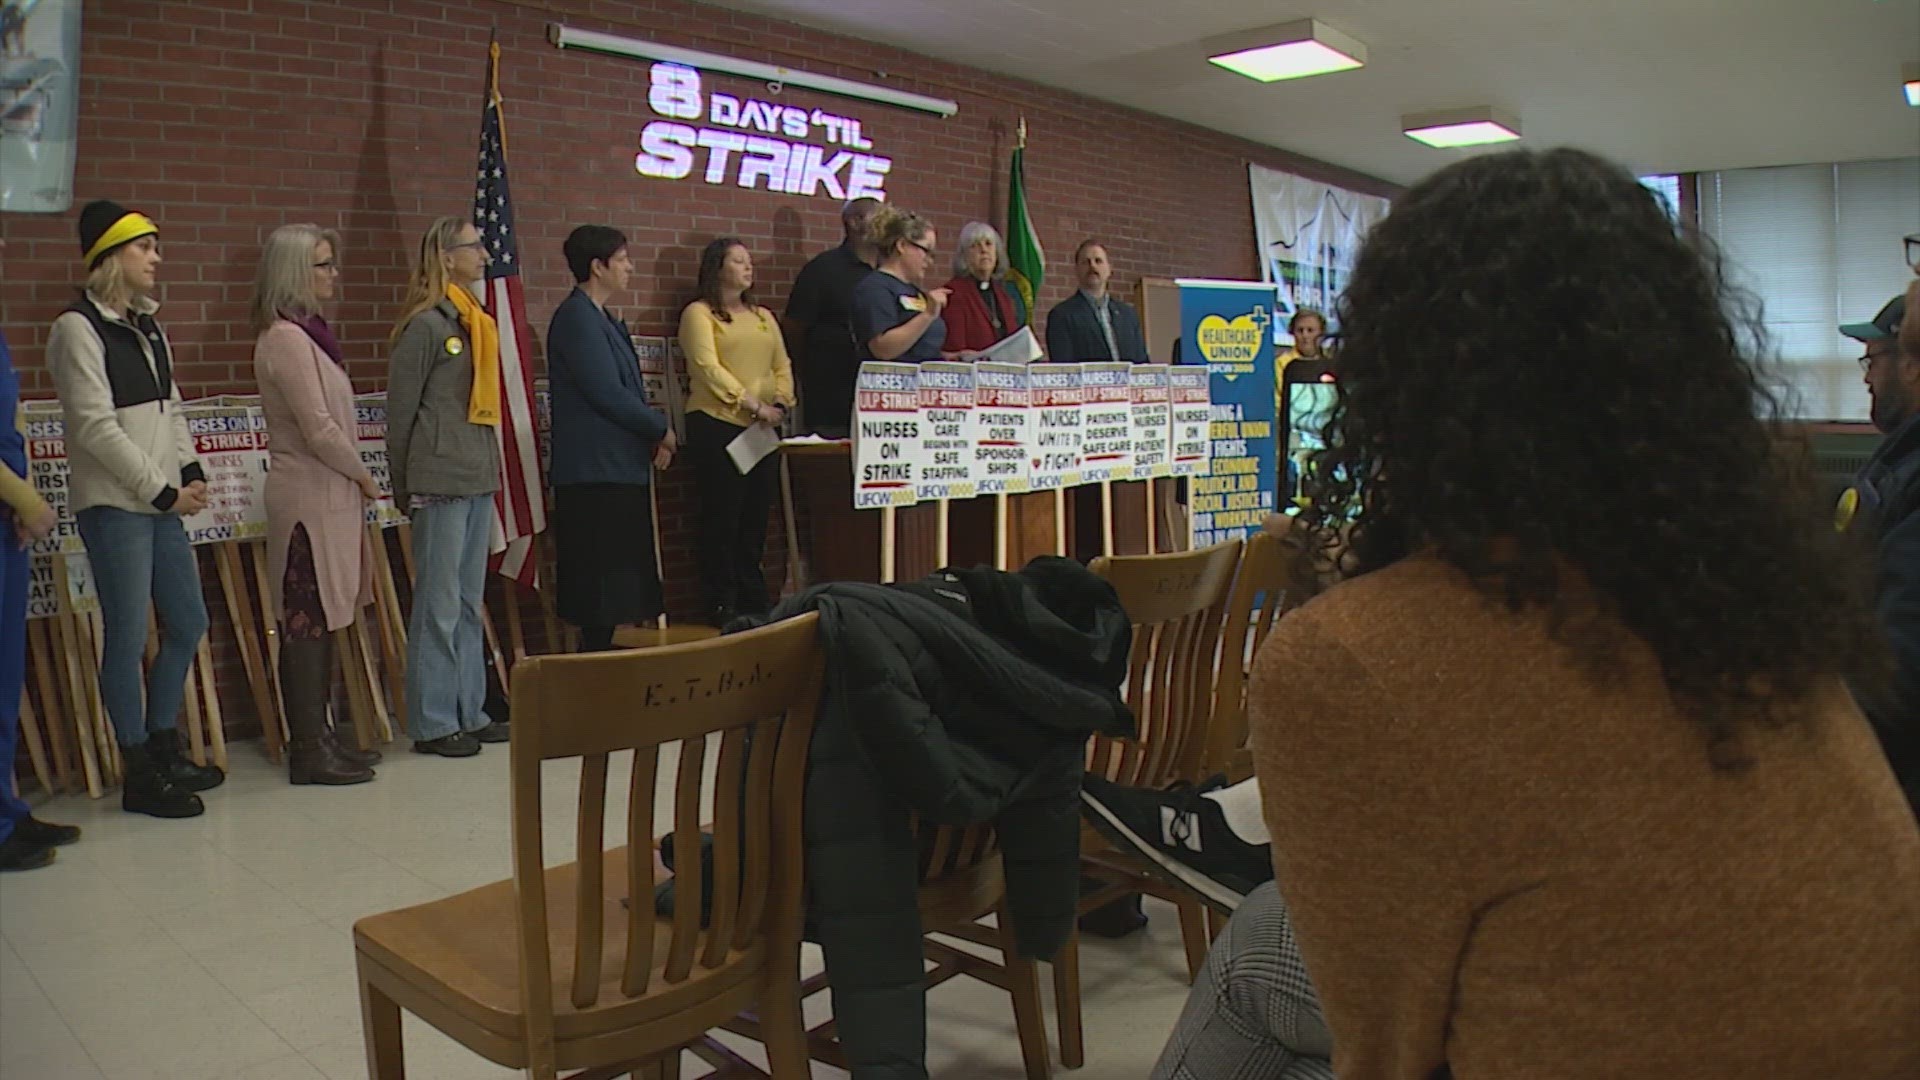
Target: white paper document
x: 752, y: 445
x: 1019, y: 347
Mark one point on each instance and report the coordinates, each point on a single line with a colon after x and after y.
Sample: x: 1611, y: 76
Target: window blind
x: 1817, y: 245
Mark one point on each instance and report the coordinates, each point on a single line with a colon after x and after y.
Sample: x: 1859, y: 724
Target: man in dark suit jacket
x: 1091, y: 324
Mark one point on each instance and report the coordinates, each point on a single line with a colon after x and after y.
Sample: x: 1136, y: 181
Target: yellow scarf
x: 483, y: 405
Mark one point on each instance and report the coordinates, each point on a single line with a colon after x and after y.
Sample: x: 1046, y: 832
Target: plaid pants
x: 1253, y: 1014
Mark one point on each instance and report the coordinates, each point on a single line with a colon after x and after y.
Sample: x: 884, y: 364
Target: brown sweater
x: 1498, y: 864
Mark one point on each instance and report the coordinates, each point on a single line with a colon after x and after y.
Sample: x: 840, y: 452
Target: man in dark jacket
x: 966, y: 697
x: 1093, y: 324
x: 1885, y: 498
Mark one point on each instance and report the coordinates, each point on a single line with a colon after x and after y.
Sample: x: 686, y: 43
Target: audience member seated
x: 1565, y: 779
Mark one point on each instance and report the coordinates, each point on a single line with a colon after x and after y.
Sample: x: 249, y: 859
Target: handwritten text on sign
x: 1192, y: 395
x: 947, y: 431
x: 887, y: 442
x: 1005, y: 416
x: 1058, y: 426
x: 1106, y: 453
x: 753, y: 142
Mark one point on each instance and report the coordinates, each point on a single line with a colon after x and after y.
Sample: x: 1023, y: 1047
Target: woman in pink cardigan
x: 317, y: 491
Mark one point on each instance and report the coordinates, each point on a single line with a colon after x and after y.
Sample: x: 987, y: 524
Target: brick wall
x: 226, y: 118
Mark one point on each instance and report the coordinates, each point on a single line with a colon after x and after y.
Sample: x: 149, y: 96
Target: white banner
x: 1059, y: 422
x: 887, y: 448
x: 370, y: 414
x: 1309, y: 236
x: 1192, y: 407
x: 1106, y: 453
x: 230, y: 436
x: 1152, y: 421
x: 1005, y: 420
x: 947, y: 431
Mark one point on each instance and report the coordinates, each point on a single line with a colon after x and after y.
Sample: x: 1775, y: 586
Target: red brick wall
x: 362, y: 115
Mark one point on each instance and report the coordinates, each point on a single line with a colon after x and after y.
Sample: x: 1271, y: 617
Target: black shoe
x: 495, y: 732
x: 1182, y: 835
x: 147, y: 790
x: 168, y: 749
x: 1114, y: 920
x: 458, y: 744
x: 20, y: 853
x: 35, y: 831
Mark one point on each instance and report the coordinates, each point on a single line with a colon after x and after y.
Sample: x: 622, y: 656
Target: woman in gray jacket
x: 443, y: 452
x: 133, y: 476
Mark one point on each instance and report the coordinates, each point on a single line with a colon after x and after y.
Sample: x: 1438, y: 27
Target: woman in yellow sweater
x: 741, y: 377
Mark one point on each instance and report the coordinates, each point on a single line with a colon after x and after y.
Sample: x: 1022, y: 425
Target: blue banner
x: 1228, y: 325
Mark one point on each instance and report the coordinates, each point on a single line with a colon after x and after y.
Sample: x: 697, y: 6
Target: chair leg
x: 1029, y: 1015
x: 1193, y: 931
x: 380, y: 1024
x: 1216, y: 922
x: 783, y: 1029
x: 1066, y: 1002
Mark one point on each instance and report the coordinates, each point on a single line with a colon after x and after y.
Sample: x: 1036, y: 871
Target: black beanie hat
x: 96, y: 218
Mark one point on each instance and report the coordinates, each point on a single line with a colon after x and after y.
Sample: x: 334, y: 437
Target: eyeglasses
x: 922, y: 247
x: 480, y: 244
x: 330, y: 264
x: 1913, y: 251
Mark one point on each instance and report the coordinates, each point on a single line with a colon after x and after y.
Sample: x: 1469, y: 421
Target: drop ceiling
x: 1660, y: 85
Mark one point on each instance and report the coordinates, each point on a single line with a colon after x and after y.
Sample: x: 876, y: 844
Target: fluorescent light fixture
x: 1295, y: 50
x: 1477, y: 126
x: 567, y: 37
x: 1910, y: 76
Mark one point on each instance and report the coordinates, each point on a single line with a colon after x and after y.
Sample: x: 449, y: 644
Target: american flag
x: 519, y: 508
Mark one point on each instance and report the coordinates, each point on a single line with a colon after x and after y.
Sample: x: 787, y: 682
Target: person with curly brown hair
x: 1564, y: 779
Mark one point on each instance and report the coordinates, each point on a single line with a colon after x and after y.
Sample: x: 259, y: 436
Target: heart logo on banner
x: 1036, y: 463
x: 1233, y: 343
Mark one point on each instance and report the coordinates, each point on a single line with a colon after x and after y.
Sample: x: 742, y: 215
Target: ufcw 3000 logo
x: 742, y: 147
x: 1229, y: 348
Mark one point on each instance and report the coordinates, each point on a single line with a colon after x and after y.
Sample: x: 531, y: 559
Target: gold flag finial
x: 1023, y: 133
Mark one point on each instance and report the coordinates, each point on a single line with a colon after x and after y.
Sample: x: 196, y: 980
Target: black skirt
x: 603, y: 537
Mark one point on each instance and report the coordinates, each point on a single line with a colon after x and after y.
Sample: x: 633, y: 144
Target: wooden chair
x: 627, y: 988
x: 961, y: 883
x: 1275, y: 576
x: 1177, y: 603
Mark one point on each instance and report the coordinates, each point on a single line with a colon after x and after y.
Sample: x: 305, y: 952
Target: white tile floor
x: 219, y: 948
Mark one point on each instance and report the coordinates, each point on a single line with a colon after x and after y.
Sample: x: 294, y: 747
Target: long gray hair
x: 284, y: 285
x: 972, y: 232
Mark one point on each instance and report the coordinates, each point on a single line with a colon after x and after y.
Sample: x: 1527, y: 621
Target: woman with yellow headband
x: 133, y: 476
x: 443, y: 453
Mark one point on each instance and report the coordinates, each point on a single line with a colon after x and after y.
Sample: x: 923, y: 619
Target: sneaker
x: 20, y: 853
x: 458, y: 744
x: 1181, y: 834
x: 35, y: 831
x: 495, y: 732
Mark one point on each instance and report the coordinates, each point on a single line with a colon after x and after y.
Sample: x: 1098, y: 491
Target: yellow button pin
x: 1844, y: 510
x: 455, y: 346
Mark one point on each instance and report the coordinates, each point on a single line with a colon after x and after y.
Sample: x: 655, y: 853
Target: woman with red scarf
x: 981, y: 309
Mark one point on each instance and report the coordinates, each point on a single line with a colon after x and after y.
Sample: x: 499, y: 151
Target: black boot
x: 342, y: 747
x: 147, y: 790
x: 306, y: 677
x: 168, y: 749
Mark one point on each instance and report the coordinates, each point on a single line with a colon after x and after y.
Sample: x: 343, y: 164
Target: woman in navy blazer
x: 606, y: 439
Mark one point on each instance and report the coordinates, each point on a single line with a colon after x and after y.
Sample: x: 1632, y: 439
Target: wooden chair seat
x: 450, y: 950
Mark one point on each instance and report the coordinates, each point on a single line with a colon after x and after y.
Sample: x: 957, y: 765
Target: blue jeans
x: 446, y: 642
x: 137, y: 558
x: 13, y: 666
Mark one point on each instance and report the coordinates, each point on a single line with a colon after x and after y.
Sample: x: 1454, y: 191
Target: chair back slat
x: 1175, y: 602
x: 765, y: 682
x: 637, y: 973
x: 689, y: 876
x: 1276, y: 575
x: 729, y: 781
x: 589, y: 906
x: 760, y: 827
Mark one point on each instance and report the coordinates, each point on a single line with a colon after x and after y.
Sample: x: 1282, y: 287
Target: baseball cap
x: 1884, y: 326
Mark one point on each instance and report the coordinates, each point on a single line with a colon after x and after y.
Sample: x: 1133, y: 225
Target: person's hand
x: 937, y: 300
x: 191, y: 499
x: 671, y: 442
x: 662, y: 457
x: 37, y: 526
x: 771, y: 414
x: 369, y: 488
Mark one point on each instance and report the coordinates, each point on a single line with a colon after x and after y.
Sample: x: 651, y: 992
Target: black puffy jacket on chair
x: 967, y: 697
